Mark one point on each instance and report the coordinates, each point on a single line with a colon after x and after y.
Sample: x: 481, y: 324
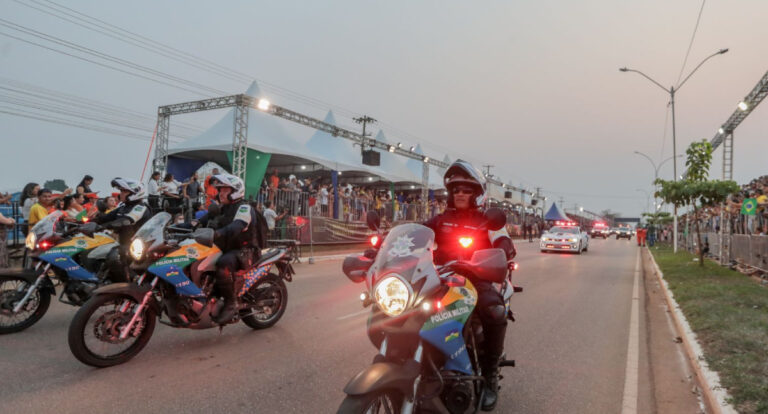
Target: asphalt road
x: 570, y: 343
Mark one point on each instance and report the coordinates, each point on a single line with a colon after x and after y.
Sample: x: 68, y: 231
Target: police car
x: 600, y: 230
x: 564, y: 237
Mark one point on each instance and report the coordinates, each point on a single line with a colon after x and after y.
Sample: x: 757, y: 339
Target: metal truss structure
x: 724, y: 136
x: 725, y: 133
x: 243, y: 102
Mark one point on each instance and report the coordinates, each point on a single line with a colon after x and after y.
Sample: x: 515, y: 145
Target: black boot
x: 226, y: 288
x: 491, y: 389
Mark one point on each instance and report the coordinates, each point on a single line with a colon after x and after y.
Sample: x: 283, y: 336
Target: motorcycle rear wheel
x: 266, y: 315
x: 38, y: 304
x: 108, y: 329
x: 379, y: 402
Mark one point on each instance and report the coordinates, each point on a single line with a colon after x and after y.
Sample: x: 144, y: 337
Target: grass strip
x: 729, y: 313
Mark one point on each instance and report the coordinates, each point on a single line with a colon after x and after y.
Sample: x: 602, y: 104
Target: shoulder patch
x: 244, y: 214
x: 137, y: 213
x: 497, y: 234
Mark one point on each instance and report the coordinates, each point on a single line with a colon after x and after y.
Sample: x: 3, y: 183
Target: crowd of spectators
x: 746, y: 211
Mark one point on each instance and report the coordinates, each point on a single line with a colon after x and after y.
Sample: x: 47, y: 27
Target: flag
x: 749, y: 207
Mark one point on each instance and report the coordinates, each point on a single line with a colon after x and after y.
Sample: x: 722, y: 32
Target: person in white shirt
x: 324, y: 200
x: 270, y: 216
x: 153, y: 190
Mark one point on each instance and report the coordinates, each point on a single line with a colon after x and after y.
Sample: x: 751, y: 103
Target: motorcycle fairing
x: 61, y: 255
x: 252, y: 276
x: 444, y: 329
x: 171, y: 267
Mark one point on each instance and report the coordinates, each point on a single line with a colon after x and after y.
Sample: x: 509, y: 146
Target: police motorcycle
x: 423, y: 322
x: 64, y: 254
x: 177, y: 268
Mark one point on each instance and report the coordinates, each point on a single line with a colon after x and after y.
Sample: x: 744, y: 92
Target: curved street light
x: 671, y: 91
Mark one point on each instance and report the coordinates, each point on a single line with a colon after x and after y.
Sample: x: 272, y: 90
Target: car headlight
x: 137, y: 249
x: 546, y: 239
x: 573, y: 240
x: 392, y: 295
x: 30, y: 241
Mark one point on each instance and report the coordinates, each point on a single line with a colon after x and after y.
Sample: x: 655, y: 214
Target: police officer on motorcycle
x: 125, y: 219
x: 467, y: 194
x: 237, y: 237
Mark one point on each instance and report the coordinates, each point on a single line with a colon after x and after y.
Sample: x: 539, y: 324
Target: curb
x: 715, y: 396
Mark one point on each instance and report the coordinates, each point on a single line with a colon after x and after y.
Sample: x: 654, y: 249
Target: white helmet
x: 134, y: 187
x: 233, y: 182
x: 463, y: 173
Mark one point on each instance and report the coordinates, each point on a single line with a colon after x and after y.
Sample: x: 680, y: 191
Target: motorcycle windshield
x: 152, y: 230
x: 45, y: 228
x: 403, y: 248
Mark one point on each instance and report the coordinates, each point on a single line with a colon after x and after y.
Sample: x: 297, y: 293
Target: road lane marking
x: 352, y: 315
x: 632, y: 373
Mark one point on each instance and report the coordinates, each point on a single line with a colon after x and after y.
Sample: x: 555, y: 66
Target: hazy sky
x: 529, y: 86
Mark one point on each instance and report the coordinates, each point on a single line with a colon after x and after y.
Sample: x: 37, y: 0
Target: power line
x: 62, y: 121
x: 170, y: 52
x: 46, y: 95
x: 690, y: 45
x: 101, y: 55
x: 78, y: 114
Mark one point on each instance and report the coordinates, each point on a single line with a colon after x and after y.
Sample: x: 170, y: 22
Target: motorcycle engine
x: 78, y: 293
x: 457, y: 396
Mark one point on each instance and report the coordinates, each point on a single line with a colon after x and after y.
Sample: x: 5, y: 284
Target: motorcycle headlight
x: 137, y: 249
x: 30, y: 241
x: 392, y: 295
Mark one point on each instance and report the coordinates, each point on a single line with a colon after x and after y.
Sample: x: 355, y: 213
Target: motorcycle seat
x: 268, y: 257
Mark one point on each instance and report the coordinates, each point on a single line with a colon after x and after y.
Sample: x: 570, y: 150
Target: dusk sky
x: 532, y: 87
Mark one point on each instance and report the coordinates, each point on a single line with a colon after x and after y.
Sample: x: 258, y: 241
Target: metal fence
x: 743, y: 249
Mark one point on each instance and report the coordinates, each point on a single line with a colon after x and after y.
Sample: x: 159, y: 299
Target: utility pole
x: 365, y: 120
x: 488, y: 175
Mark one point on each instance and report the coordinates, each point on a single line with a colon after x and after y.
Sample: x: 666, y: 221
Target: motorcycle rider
x: 467, y: 194
x: 237, y: 237
x: 133, y: 206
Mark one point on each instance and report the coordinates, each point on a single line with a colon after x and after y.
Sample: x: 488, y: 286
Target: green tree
x: 695, y: 189
x: 57, y: 184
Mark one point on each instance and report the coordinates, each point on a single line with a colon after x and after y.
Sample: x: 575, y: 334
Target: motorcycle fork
x: 127, y: 328
x: 32, y: 289
x: 408, y: 401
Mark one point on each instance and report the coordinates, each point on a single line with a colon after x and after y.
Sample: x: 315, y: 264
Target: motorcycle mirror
x: 496, y: 218
x: 204, y: 236
x: 88, y: 229
x: 373, y: 220
x: 355, y: 267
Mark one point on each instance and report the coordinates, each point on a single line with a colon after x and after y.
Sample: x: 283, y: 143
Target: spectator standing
x: 274, y: 182
x: 40, y: 209
x: 153, y: 190
x: 28, y: 198
x: 192, y: 191
x: 170, y: 190
x: 85, y: 185
x: 324, y: 200
x: 210, y: 190
x: 5, y: 222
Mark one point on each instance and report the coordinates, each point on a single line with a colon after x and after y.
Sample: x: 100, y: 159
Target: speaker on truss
x: 534, y: 201
x: 507, y: 194
x: 371, y: 157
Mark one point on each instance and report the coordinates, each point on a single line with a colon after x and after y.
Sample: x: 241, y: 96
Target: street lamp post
x: 647, y: 199
x: 655, y: 170
x: 671, y: 91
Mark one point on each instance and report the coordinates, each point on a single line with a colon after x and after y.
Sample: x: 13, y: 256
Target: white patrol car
x: 567, y: 237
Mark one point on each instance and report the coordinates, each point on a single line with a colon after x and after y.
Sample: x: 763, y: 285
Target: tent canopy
x: 555, y: 213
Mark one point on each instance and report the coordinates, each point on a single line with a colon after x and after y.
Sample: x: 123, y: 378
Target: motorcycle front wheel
x: 94, y: 334
x: 12, y: 290
x: 379, y: 402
